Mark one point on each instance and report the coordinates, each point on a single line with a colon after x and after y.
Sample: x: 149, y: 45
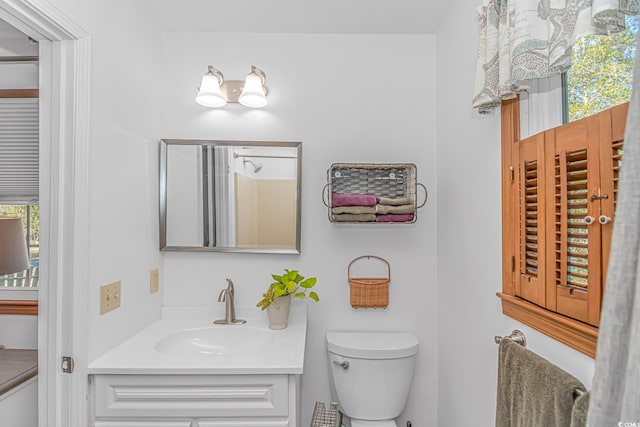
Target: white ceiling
x: 274, y: 16
x: 299, y: 16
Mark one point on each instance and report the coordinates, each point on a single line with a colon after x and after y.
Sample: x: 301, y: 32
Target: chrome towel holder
x: 516, y: 336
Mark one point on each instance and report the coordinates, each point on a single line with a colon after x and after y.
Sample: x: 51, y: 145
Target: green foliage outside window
x: 601, y: 72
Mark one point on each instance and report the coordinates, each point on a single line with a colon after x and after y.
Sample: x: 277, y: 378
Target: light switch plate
x: 109, y: 297
x: 154, y: 281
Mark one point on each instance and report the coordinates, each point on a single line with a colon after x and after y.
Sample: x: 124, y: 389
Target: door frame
x: 64, y: 207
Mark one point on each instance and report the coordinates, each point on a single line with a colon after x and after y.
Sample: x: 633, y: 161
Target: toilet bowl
x: 372, y: 373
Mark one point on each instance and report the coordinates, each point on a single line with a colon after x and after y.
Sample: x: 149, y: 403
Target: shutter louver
x: 616, y: 163
x: 571, y: 200
x: 530, y: 196
x: 19, y: 149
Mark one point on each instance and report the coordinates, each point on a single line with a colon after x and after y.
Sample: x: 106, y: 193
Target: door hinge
x: 67, y: 364
x: 513, y: 264
x: 511, y: 174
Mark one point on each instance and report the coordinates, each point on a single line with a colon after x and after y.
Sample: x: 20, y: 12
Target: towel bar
x: 516, y: 336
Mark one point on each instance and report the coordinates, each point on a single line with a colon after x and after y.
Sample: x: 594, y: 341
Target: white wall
x: 17, y: 405
x: 469, y: 240
x: 19, y: 331
x: 125, y: 113
x: 348, y: 99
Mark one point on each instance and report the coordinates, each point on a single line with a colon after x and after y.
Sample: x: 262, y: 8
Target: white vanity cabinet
x: 185, y: 371
x: 195, y: 400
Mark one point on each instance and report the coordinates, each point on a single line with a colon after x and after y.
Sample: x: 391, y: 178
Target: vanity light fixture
x: 209, y: 92
x: 215, y: 91
x: 254, y: 94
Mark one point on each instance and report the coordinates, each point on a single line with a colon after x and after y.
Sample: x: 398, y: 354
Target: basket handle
x: 324, y: 191
x: 426, y: 195
x: 369, y: 256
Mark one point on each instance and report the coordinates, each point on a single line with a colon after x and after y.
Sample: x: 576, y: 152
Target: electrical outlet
x: 109, y: 297
x: 154, y: 281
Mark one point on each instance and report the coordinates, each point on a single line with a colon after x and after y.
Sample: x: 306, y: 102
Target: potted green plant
x: 277, y: 299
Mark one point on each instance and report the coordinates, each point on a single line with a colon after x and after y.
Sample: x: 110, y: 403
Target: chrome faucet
x: 226, y: 296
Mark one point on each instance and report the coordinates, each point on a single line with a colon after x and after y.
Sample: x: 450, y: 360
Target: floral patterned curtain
x: 522, y: 40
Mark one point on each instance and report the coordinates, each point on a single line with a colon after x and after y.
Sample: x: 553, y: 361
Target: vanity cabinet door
x: 191, y: 397
x: 199, y: 423
x: 244, y: 423
x: 144, y: 424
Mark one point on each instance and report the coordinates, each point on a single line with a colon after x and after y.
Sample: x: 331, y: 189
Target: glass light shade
x: 13, y: 246
x: 253, y: 93
x: 210, y: 94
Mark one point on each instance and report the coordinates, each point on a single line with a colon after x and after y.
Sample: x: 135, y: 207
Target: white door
x: 64, y: 72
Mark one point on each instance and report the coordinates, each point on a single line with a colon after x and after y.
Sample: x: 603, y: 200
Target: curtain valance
x: 522, y: 40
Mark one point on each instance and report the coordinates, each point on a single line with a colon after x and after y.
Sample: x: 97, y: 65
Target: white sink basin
x: 185, y: 341
x: 218, y: 341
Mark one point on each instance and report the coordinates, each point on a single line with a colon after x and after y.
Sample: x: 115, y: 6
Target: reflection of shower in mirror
x: 256, y: 166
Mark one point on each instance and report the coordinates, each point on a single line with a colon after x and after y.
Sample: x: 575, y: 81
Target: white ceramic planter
x: 279, y: 316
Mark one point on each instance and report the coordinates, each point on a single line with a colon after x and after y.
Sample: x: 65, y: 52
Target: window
x: 601, y: 73
x: 559, y: 194
x: 30, y: 214
x: 19, y: 158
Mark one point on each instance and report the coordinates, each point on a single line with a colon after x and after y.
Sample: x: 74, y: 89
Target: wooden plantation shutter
x: 574, y: 270
x: 530, y: 284
x: 559, y: 198
x: 612, y: 150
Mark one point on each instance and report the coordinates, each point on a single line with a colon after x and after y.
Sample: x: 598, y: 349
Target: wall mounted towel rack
x: 393, y: 186
x: 519, y: 338
x: 516, y: 336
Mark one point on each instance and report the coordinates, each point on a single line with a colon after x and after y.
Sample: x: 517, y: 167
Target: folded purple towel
x: 338, y: 199
x: 394, y: 218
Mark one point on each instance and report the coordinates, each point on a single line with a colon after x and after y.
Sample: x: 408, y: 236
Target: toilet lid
x: 362, y: 423
x: 372, y: 345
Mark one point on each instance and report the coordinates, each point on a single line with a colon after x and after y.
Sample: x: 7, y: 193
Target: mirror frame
x: 164, y: 143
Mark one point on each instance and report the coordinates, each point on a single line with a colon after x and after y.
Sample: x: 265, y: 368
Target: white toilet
x: 372, y: 373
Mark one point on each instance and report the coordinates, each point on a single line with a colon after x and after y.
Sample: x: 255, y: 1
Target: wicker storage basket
x: 369, y: 292
x: 389, y: 180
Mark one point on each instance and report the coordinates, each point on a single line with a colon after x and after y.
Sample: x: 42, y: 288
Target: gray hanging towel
x: 532, y: 392
x: 580, y: 410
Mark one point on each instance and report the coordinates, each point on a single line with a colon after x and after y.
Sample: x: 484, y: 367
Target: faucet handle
x: 226, y: 295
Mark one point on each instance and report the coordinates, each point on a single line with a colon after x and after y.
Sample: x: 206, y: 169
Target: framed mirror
x: 230, y: 196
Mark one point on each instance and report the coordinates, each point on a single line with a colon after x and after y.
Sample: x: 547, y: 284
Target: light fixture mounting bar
x: 231, y: 89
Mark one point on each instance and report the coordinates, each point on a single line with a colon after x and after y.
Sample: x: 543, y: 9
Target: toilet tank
x: 376, y: 383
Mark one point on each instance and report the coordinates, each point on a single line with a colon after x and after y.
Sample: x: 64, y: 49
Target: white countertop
x: 273, y: 352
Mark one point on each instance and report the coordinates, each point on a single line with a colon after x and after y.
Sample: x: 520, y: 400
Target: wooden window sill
x: 19, y: 93
x: 28, y: 307
x: 575, y: 334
